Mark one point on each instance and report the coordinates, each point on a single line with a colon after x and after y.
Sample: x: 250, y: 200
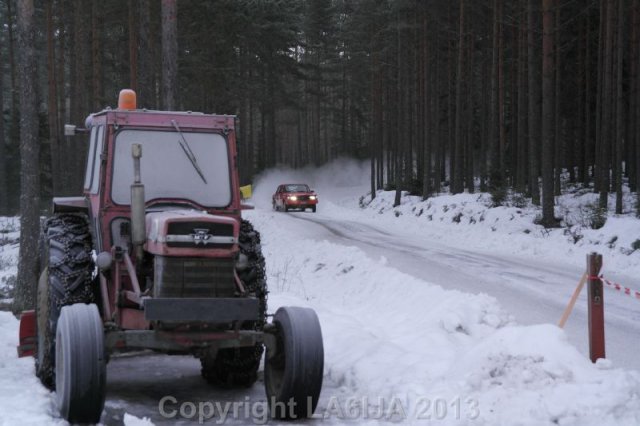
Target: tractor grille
x: 193, y: 277
x: 189, y: 228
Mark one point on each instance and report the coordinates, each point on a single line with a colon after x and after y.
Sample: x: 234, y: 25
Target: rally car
x: 294, y: 196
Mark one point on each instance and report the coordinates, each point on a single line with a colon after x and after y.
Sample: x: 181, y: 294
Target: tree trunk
x: 66, y: 74
x: 588, y: 119
x: 146, y: 97
x: 14, y: 125
x: 548, y: 218
x: 521, y: 176
x: 502, y: 130
x: 14, y: 131
x: 97, y: 50
x: 582, y: 144
x: 458, y: 154
x: 558, y: 137
x: 81, y: 101
x: 436, y: 137
x: 485, y: 144
x: 606, y: 132
x: 29, y: 158
x: 468, y: 126
x: 619, y: 108
x: 636, y: 116
x: 4, y: 188
x: 632, y: 102
x: 534, y: 105
x: 133, y: 45
x: 399, y: 122
x: 494, y: 145
x: 52, y: 102
x: 426, y: 101
x: 169, y: 53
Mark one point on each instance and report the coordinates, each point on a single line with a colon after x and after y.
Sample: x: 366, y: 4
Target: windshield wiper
x: 187, y: 151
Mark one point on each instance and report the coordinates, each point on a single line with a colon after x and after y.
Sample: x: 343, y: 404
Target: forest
x: 485, y: 95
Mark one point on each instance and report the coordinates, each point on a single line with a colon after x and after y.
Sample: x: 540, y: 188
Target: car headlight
x: 293, y: 198
x: 312, y: 197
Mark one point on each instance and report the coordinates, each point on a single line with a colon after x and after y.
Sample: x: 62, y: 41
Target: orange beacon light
x: 127, y: 99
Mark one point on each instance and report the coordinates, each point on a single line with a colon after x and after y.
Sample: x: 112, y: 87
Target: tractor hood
x: 191, y: 233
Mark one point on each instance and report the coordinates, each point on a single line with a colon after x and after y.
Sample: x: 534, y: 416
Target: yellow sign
x: 246, y: 191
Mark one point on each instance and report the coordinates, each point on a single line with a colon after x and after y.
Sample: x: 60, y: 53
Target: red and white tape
x: 626, y: 290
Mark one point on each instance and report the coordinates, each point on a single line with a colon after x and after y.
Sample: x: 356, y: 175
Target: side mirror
x: 70, y: 129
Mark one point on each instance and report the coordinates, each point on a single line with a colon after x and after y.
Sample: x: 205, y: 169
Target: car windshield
x: 296, y: 188
x: 167, y: 172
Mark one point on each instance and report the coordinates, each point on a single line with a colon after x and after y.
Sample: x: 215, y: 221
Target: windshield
x: 296, y: 188
x: 167, y: 172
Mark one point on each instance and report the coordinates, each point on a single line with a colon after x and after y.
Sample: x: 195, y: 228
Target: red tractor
x: 155, y: 255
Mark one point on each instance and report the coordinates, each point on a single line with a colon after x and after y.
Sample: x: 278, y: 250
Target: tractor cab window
x: 97, y: 160
x: 90, y: 157
x: 169, y: 172
x: 92, y: 174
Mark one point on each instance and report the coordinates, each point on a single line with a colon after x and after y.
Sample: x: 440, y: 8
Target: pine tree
x: 29, y: 158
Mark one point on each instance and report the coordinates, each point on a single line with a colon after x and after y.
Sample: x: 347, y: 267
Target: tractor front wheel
x: 293, y: 374
x: 80, y: 364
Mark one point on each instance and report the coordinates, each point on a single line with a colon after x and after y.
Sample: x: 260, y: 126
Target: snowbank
x: 391, y: 338
x: 23, y: 400
x: 470, y: 221
x: 9, y: 239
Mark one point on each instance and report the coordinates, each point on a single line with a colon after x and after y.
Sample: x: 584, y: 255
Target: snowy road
x: 535, y: 292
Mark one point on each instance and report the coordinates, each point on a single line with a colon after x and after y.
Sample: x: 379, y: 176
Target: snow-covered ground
x: 9, y: 235
x: 398, y: 347
x: 391, y: 337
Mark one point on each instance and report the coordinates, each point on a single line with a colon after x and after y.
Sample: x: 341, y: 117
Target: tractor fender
x: 70, y: 205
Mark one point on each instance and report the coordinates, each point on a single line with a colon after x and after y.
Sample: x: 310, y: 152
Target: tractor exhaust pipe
x: 138, y: 225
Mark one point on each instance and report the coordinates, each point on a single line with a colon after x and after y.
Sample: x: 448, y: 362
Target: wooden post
x: 595, y: 307
x: 572, y: 301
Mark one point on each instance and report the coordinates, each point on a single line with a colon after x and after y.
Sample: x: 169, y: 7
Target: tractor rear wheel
x: 238, y: 367
x: 293, y: 374
x: 45, y: 356
x: 66, y: 276
x: 80, y: 364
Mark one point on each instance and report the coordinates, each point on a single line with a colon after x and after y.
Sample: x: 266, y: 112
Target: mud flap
x: 28, y: 338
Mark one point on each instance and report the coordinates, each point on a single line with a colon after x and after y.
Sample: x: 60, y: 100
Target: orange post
x: 595, y: 307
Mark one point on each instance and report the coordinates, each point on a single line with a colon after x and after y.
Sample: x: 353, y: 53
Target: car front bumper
x: 300, y: 204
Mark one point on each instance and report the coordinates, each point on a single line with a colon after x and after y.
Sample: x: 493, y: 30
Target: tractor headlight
x: 312, y: 197
x: 293, y: 198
